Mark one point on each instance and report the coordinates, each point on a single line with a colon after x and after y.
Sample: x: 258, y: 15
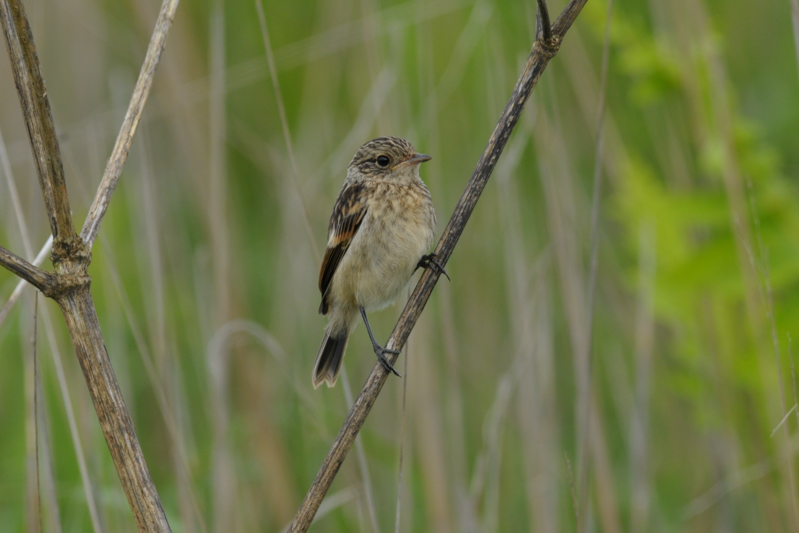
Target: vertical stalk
x: 84, y: 328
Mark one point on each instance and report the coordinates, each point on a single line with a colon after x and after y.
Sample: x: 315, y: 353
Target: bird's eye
x: 383, y: 161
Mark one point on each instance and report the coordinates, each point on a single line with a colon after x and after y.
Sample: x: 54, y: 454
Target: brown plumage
x: 382, y: 224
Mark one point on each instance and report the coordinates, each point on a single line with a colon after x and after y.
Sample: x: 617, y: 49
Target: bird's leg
x: 430, y: 261
x: 379, y: 350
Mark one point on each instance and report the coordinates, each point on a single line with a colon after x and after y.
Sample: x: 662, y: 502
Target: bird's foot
x: 430, y: 261
x: 379, y: 352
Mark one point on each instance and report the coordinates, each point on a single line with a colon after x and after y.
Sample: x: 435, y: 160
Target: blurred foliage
x: 205, y: 272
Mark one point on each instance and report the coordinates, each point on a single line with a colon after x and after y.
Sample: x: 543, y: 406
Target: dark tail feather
x: 328, y: 361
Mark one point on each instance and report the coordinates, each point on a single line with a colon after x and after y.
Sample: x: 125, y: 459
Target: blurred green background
x: 530, y: 402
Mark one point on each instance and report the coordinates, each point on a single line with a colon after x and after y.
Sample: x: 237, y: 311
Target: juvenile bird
x: 382, y: 224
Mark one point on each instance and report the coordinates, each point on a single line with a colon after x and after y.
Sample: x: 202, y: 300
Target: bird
x: 382, y: 224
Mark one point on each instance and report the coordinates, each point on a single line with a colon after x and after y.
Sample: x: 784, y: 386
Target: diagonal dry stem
x: 15, y: 294
x: 120, y: 152
x: 34, y: 275
x: 543, y: 51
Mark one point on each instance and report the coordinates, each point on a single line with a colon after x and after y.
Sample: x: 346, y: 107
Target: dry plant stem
x: 6, y: 309
x: 34, y: 275
x: 70, y: 284
x: 543, y: 51
x: 117, y: 426
x: 120, y: 152
x: 39, y: 122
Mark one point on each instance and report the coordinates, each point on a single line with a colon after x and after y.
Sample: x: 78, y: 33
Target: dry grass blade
x: 398, y: 509
x: 120, y: 152
x: 14, y: 196
x: 72, y: 421
x: 587, y: 386
x: 34, y: 496
x: 284, y: 124
x: 368, y: 491
x: 542, y: 52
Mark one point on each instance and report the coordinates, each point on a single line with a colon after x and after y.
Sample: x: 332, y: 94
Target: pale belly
x: 380, y: 261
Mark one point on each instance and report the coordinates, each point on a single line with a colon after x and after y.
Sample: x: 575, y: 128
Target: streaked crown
x: 379, y: 156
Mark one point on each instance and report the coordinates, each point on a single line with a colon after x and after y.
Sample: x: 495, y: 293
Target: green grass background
x: 532, y: 404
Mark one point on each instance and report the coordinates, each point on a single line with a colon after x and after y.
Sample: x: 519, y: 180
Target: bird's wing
x: 347, y: 216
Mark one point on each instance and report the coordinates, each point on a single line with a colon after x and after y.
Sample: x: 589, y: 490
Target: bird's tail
x: 328, y: 360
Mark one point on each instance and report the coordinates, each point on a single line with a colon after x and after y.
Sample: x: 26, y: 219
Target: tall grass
x: 205, y: 272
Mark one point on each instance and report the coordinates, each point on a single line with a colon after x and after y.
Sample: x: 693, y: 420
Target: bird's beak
x: 415, y: 160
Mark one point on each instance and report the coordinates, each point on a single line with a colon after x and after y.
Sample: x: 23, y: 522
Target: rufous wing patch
x: 348, y: 214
